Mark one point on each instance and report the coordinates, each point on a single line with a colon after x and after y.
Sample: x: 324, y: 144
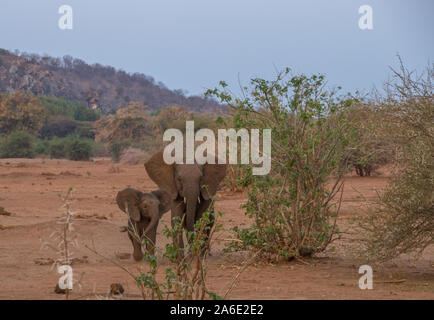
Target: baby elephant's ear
x: 165, y: 200
x: 127, y: 200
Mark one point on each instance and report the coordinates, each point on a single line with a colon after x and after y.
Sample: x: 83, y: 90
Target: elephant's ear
x: 128, y: 200
x: 213, y: 174
x: 161, y: 173
x: 165, y: 200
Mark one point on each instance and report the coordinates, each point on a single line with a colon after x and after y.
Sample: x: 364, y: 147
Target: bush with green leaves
x: 71, y: 147
x: 57, y: 148
x: 72, y: 109
x: 79, y: 149
x: 19, y: 144
x: 42, y: 146
x: 293, y: 208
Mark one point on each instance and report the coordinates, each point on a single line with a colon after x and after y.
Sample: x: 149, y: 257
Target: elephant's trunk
x: 152, y: 226
x: 192, y: 197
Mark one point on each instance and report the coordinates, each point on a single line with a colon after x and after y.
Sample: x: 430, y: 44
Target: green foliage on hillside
x: 72, y: 109
x: 61, y: 126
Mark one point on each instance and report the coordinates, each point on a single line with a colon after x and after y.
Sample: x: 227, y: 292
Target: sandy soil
x: 29, y: 191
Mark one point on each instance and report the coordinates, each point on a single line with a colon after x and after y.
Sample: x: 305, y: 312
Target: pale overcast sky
x: 193, y: 44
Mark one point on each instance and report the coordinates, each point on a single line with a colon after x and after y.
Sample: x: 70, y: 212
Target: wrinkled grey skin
x: 191, y: 186
x: 145, y: 211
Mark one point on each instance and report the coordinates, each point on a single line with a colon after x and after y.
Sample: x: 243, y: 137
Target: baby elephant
x: 144, y: 211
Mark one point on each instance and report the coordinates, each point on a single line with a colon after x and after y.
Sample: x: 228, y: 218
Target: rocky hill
x: 102, y: 87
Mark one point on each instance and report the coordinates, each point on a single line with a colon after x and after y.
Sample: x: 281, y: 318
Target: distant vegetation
x: 61, y: 101
x: 19, y: 144
x: 75, y: 80
x: 57, y: 127
x: 72, y: 109
x: 21, y: 112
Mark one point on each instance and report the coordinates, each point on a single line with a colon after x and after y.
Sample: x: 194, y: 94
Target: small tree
x: 79, y: 149
x: 293, y: 207
x: 21, y: 111
x: 71, y: 147
x: 57, y: 148
x: 18, y: 144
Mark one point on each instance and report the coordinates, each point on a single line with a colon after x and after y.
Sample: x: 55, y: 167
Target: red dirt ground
x: 29, y: 190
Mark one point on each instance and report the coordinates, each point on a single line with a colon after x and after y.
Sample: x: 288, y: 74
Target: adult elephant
x: 191, y: 186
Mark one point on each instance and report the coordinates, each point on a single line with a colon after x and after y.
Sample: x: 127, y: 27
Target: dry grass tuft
x: 133, y: 156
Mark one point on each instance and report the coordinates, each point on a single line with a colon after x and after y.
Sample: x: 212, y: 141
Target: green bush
x: 83, y: 113
x: 42, y: 146
x: 71, y: 109
x: 57, y: 148
x: 294, y: 207
x: 79, y: 149
x: 18, y: 144
x: 71, y: 147
x: 117, y: 147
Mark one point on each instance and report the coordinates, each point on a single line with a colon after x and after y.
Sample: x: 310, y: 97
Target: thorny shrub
x: 403, y: 219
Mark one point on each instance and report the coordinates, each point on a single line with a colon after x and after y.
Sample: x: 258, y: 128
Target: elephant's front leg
x: 178, y: 211
x: 135, y: 232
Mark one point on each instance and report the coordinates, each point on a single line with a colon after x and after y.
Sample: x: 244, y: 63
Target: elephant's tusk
x: 198, y: 199
x: 185, y: 200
